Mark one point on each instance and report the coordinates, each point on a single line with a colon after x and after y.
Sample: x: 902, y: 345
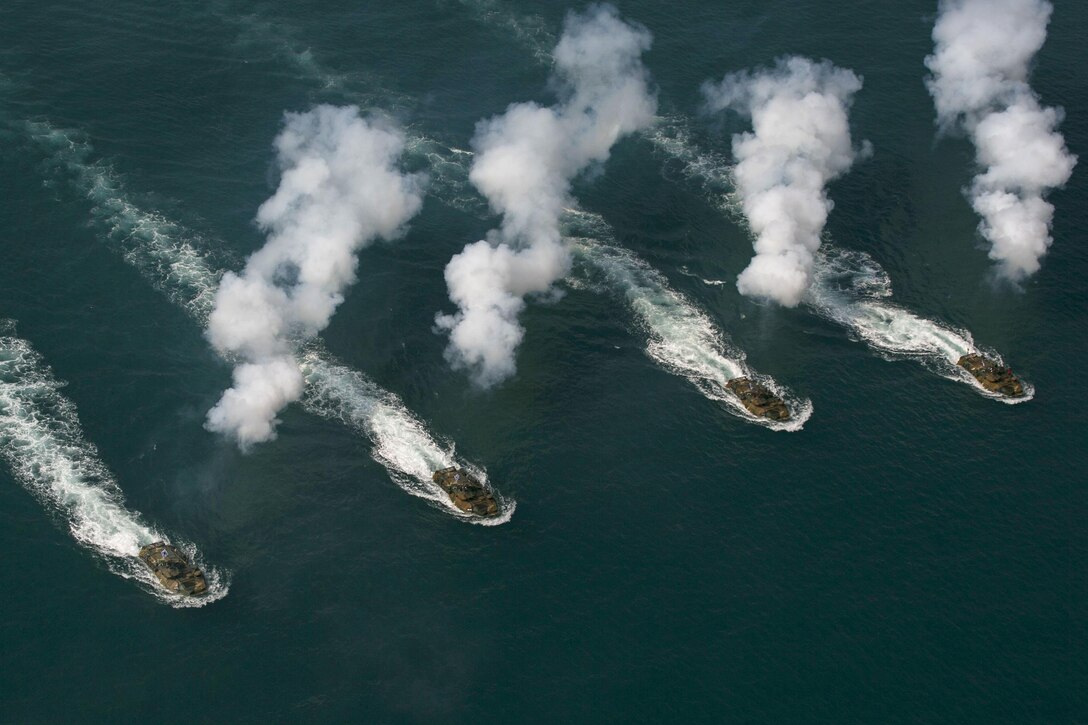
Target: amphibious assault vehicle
x: 758, y: 399
x: 992, y: 376
x: 466, y: 493
x: 173, y: 570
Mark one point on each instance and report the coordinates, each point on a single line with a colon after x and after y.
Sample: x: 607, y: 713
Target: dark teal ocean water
x: 916, y: 552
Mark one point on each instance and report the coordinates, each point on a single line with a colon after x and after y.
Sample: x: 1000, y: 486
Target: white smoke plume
x: 982, y: 56
x: 526, y: 159
x: 800, y: 140
x: 339, y: 190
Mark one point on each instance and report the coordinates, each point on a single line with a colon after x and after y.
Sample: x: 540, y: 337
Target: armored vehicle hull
x: 992, y: 376
x: 758, y: 399
x: 466, y: 493
x: 172, y: 569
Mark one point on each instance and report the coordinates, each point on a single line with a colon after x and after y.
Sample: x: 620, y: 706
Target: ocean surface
x: 907, y: 550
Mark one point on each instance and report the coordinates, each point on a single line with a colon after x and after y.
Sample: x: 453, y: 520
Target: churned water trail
x: 401, y: 442
x: 680, y: 337
x: 851, y: 289
x: 43, y: 444
x: 169, y: 256
x: 164, y: 252
x: 862, y: 307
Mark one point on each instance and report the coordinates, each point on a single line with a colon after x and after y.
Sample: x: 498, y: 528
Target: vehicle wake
x: 43, y: 444
x: 852, y: 290
x: 174, y: 261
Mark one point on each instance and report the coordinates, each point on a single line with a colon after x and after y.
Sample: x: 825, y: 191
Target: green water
x: 916, y: 552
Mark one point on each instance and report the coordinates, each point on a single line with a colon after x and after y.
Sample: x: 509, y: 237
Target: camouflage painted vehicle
x: 173, y: 570
x: 466, y: 493
x: 758, y: 399
x: 992, y: 376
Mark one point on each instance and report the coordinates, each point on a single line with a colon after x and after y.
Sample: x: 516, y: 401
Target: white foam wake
x: 166, y: 254
x: 851, y: 289
x: 679, y: 336
x: 42, y: 442
x: 401, y: 443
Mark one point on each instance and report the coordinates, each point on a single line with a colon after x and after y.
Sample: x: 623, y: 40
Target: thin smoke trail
x: 43, y: 444
x: 262, y: 37
x: 173, y: 260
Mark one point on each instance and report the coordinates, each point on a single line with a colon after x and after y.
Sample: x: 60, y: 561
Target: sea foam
x: 848, y: 288
x: 170, y: 257
x: 680, y: 337
x: 43, y: 443
x: 852, y: 290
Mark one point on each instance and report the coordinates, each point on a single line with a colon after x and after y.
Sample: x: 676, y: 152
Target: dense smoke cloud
x: 339, y: 190
x: 525, y: 161
x: 983, y: 50
x: 800, y: 141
